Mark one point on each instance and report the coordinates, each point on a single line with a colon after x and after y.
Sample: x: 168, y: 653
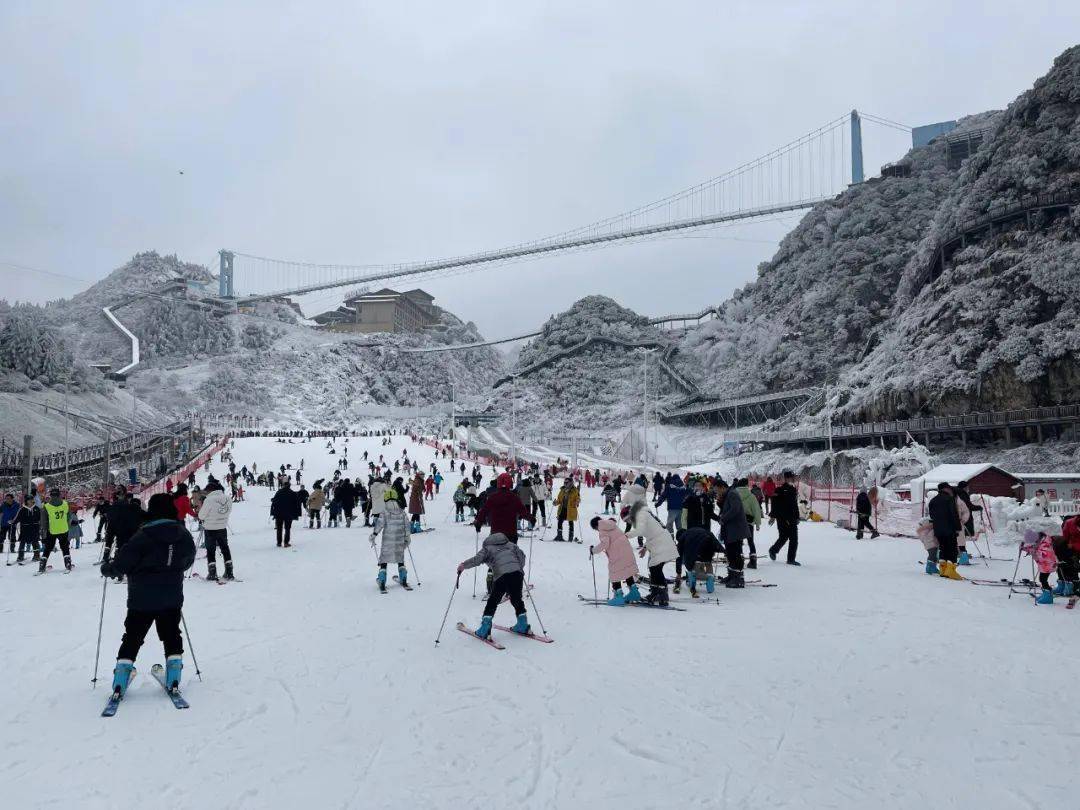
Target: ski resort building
x: 384, y: 310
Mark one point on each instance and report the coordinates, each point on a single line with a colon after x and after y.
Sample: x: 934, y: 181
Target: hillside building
x: 384, y: 310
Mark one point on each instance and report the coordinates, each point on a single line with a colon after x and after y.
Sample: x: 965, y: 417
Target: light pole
x: 513, y: 424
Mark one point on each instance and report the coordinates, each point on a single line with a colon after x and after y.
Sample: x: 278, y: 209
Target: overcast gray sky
x: 356, y: 132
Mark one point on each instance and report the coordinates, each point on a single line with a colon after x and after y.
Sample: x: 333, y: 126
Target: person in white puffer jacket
x: 376, y: 493
x: 657, y: 542
x: 214, y: 517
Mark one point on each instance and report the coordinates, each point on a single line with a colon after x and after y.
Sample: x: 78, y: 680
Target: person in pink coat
x: 622, y: 567
x: 1045, y: 560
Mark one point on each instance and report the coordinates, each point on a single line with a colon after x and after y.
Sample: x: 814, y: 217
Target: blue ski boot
x: 1059, y: 589
x: 522, y: 625
x: 416, y: 527
x: 381, y: 579
x: 1070, y: 589
x: 618, y: 600
x: 402, y: 575
x: 964, y: 559
x: 484, y: 631
x: 710, y: 583
x: 1045, y: 598
x: 122, y: 675
x: 633, y: 595
x: 931, y: 567
x: 691, y: 580
x: 173, y: 666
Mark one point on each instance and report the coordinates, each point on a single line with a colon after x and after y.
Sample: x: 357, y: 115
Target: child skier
x: 335, y: 513
x: 621, y: 563
x: 395, y: 539
x: 507, y: 563
x: 609, y: 498
x: 154, y: 561
x: 1046, y: 560
x: 461, y: 497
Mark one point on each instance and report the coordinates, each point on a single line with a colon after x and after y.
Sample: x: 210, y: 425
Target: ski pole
x: 191, y: 647
x: 475, y: 569
x: 536, y: 610
x: 413, y: 562
x: 101, y: 619
x: 448, y: 604
x: 592, y: 560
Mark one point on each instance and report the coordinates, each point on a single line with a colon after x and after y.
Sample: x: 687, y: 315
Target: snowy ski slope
x: 858, y: 682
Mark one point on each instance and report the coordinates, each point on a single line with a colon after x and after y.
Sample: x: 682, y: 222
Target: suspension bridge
x: 796, y: 176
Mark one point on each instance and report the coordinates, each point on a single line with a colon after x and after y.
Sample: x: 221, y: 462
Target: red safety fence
x: 179, y: 476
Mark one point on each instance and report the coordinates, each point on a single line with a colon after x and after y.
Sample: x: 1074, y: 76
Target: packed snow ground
x: 859, y: 681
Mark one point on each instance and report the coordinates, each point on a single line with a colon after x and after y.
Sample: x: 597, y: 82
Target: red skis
x: 489, y: 641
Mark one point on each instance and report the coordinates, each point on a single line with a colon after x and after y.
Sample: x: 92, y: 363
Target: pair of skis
x: 397, y: 579
x: 158, y: 671
x: 218, y: 580
x: 489, y: 641
x: 586, y: 601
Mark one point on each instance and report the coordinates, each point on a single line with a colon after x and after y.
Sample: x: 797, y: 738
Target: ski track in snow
x: 858, y: 682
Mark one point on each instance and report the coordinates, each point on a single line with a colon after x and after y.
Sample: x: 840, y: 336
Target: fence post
x: 28, y: 461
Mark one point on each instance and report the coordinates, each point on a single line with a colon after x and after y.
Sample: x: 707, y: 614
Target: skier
x: 608, y: 494
x: 734, y: 529
x: 56, y: 516
x: 29, y: 522
x: 460, y: 497
x: 345, y: 494
x: 622, y: 567
x: 507, y: 564
x: 968, y: 523
x: 101, y: 511
x: 8, y: 510
x: 437, y: 478
x: 524, y: 492
x: 395, y: 530
x: 752, y: 506
x: 785, y: 511
x: 674, y: 495
x: 315, y: 503
x: 659, y: 545
x: 154, y: 561
x: 416, y: 501
x: 377, y: 490
x: 540, y: 496
x: 125, y: 517
x: 214, y: 517
x: 285, y: 508
x: 697, y: 548
x: 768, y: 490
x: 502, y: 509
x: 566, y: 503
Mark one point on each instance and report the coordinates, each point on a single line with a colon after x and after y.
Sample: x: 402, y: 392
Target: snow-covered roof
x: 1048, y: 476
x: 951, y: 473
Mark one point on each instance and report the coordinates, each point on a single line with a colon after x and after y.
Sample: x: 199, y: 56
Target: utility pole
x: 67, y: 443
x: 513, y: 424
x: 645, y: 414
x: 134, y: 402
x: 28, y: 461
x: 453, y: 417
x: 108, y: 456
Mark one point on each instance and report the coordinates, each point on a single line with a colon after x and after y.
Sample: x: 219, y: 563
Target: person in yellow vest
x: 56, y: 528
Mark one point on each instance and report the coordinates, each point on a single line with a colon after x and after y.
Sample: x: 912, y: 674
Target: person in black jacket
x: 863, y: 510
x: 697, y: 547
x: 125, y: 516
x: 284, y: 509
x: 345, y: 494
x: 785, y: 511
x: 154, y: 560
x: 698, y: 512
x: 733, y: 531
x: 101, y: 512
x: 961, y: 493
x: 28, y: 520
x: 946, y: 524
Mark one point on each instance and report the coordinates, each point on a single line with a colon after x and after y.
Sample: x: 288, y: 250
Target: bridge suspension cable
x: 795, y: 176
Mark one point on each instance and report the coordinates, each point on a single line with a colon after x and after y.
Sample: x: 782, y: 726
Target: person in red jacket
x: 1067, y: 549
x: 183, y: 503
x: 502, y: 509
x: 768, y: 489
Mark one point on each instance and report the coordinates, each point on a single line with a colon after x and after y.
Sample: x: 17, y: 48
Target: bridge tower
x: 225, y: 274
x: 856, y: 148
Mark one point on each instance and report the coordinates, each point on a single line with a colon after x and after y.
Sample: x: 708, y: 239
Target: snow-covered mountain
x: 197, y: 355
